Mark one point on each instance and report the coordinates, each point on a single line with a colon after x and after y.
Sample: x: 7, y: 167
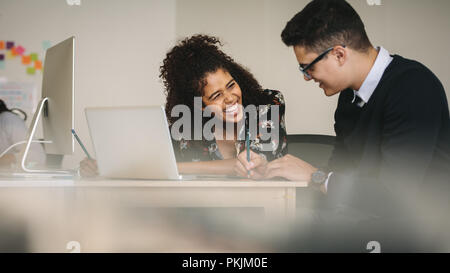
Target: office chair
x: 316, y: 150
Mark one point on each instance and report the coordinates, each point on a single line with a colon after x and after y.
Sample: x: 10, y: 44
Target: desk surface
x: 102, y: 182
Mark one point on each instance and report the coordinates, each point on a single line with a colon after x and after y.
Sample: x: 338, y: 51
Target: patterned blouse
x: 204, y: 150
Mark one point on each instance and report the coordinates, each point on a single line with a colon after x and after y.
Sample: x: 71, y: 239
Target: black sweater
x: 397, y: 147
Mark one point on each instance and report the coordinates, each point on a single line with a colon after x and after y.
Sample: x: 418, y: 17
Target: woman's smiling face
x: 223, y: 94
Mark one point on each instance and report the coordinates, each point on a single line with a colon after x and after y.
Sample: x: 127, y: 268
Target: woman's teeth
x: 231, y: 109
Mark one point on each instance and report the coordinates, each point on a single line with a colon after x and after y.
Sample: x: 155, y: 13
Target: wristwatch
x: 318, y: 178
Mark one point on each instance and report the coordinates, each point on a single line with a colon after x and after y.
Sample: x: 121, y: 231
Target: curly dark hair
x: 3, y: 107
x: 186, y: 66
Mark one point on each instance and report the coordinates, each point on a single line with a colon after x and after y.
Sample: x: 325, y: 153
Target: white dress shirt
x: 373, y: 78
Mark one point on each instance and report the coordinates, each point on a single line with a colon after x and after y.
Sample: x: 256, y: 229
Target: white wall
x: 121, y: 43
x: 251, y: 29
x: 119, y: 47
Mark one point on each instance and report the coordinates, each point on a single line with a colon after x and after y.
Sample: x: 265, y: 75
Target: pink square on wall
x: 20, y: 50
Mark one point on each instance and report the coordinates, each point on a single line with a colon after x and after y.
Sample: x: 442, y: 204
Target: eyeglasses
x: 305, y: 67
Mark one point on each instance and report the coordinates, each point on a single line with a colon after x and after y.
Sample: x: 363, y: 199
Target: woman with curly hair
x: 196, y: 67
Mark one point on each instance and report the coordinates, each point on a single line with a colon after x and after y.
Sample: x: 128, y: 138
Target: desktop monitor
x: 56, y: 107
x: 58, y: 87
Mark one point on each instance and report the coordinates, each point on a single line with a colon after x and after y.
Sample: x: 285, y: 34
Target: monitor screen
x: 58, y: 88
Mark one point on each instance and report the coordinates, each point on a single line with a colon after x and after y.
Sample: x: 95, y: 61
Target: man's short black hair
x: 325, y: 23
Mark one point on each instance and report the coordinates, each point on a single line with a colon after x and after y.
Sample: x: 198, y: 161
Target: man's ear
x: 340, y: 54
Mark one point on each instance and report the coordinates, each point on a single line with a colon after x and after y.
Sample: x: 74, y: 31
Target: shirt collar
x: 373, y: 78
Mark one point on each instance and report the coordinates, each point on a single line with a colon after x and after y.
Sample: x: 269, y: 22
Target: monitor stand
x: 26, y: 172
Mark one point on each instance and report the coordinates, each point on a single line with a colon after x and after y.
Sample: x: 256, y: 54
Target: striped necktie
x: 358, y: 101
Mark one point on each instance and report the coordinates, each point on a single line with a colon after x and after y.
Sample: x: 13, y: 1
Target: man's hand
x: 88, y: 168
x: 256, y: 166
x: 291, y: 168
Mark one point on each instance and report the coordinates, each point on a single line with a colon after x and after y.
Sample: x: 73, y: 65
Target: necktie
x: 358, y: 101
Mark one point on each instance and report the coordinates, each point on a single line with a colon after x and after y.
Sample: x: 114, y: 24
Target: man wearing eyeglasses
x: 392, y: 120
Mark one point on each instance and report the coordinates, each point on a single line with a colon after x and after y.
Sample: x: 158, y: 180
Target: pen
x: 81, y: 144
x: 247, y: 142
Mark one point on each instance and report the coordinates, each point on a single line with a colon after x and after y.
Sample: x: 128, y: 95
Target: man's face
x: 327, y: 72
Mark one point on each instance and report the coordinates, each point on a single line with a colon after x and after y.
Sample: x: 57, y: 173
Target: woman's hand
x: 253, y: 169
x: 88, y: 168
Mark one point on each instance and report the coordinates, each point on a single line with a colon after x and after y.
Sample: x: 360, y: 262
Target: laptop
x: 135, y: 143
x: 132, y: 142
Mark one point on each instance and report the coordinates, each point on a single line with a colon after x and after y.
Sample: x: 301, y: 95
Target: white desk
x: 51, y: 206
x: 276, y: 197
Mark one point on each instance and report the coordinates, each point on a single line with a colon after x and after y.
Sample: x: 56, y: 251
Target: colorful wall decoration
x: 9, y: 50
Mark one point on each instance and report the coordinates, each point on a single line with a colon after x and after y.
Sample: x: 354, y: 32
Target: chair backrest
x: 314, y: 149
